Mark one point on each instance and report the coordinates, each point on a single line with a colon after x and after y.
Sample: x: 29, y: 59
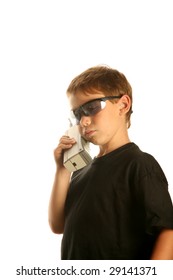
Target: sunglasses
x: 91, y: 108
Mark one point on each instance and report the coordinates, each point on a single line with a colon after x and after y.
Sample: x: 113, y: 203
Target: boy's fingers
x: 66, y: 140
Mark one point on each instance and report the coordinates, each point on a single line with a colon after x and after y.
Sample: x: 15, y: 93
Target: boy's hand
x: 65, y: 143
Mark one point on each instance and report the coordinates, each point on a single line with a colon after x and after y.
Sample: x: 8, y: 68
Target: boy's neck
x: 107, y: 148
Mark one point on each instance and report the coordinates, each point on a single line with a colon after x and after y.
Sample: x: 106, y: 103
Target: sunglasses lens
x: 76, y: 115
x: 89, y: 109
x: 92, y: 107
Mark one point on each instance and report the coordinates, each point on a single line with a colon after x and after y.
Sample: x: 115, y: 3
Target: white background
x: 43, y: 45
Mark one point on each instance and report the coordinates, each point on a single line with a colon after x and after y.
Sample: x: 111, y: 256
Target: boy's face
x: 105, y: 126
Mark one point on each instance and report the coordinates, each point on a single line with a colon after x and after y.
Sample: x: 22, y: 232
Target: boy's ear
x: 125, y: 103
x: 122, y: 105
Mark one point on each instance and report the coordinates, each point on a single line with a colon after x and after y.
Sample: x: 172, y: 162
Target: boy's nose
x: 85, y: 121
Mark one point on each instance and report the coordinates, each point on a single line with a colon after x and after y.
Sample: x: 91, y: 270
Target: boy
x: 118, y: 207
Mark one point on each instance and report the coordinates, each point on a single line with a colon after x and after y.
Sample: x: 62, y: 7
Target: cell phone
x: 78, y: 156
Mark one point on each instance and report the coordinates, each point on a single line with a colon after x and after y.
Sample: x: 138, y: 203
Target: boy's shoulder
x: 131, y: 158
x: 145, y: 163
x: 131, y: 152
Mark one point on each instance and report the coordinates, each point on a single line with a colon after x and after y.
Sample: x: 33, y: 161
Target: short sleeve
x: 156, y: 201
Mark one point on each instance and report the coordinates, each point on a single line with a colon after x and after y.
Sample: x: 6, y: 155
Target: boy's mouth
x: 89, y: 133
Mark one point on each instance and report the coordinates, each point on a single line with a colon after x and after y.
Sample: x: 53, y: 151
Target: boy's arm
x: 57, y: 201
x: 163, y: 249
x: 60, y: 187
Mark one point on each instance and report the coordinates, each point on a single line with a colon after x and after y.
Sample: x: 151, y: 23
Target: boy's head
x: 102, y: 79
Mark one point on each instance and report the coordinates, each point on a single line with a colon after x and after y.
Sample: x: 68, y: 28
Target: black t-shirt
x: 116, y: 207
